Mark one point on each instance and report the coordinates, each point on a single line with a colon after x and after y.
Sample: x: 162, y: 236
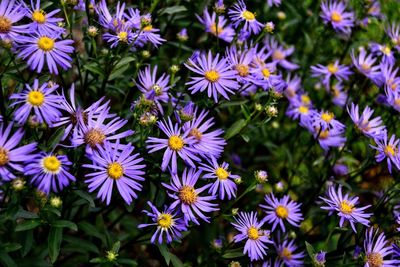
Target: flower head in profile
x: 187, y: 197
x: 177, y: 143
x: 39, y: 49
x: 279, y: 211
x: 365, y: 65
x: 41, y: 99
x: 376, y: 248
x: 115, y: 163
x: 384, y: 51
x: 329, y: 138
x: 393, y: 31
x: 149, y: 34
x: 287, y: 253
x: 168, y: 223
x: 273, y: 3
x: 214, y: 75
x: 389, y: 150
x: 239, y: 14
x: 372, y: 128
x: 280, y: 54
x: 224, y: 30
x: 223, y: 178
x: 339, y: 95
x: 345, y: 207
x: 335, y: 14
x: 42, y: 22
x: 326, y: 120
x: 50, y: 172
x: 11, y: 12
x: 250, y: 230
x: 325, y: 73
x: 12, y: 155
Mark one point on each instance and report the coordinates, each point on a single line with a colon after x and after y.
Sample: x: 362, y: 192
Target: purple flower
x: 50, y: 172
x: 223, y: 31
x: 182, y: 35
x: 345, y: 207
x: 333, y: 12
x: 206, y: 142
x: 40, y: 48
x: 266, y: 76
x: 279, y: 54
x: 286, y: 252
x: 389, y: 78
x: 364, y: 64
x: 329, y: 137
x: 376, y: 248
x: 39, y: 98
x: 176, y: 144
x: 12, y: 157
x: 115, y: 163
x: 219, y: 172
x: 384, y: 51
x: 371, y: 128
x: 388, y: 150
x: 250, y: 230
x: 393, y: 31
x: 339, y: 96
x: 319, y: 258
x: 239, y: 13
x: 150, y: 35
x: 168, y: 222
x: 11, y: 12
x: 273, y: 3
x: 188, y: 198
x: 216, y: 76
x: 42, y: 22
x: 108, y: 21
x: 325, y: 120
x: 340, y: 72
x: 282, y: 210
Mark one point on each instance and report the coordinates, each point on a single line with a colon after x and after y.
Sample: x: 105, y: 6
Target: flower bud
x: 18, y: 184
x: 269, y: 27
x: 261, y: 176
x: 111, y: 256
x: 92, y: 31
x: 55, y: 202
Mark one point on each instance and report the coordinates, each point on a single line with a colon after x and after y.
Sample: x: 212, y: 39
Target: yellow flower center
x: 187, y: 195
x: 305, y: 99
x: 45, y: 43
x: 266, y: 73
x: 115, y: 170
x: 327, y: 116
x: 346, y: 207
x: 365, y: 67
x: 165, y: 220
x: 212, y: 76
x: 324, y: 134
x: 278, y: 55
x: 157, y: 89
x: 221, y: 173
x: 286, y: 254
x: 303, y: 109
x: 397, y: 102
x: 336, y: 17
x: 213, y: 29
x: 51, y: 164
x: 5, y: 24
x: 332, y: 68
x: 196, y: 134
x: 39, y: 16
x: 282, y: 212
x: 375, y: 259
x: 247, y: 15
x: 175, y: 142
x: 94, y: 137
x: 3, y: 156
x: 389, y: 150
x: 123, y: 37
x: 386, y: 50
x: 242, y: 69
x: 148, y: 28
x: 36, y: 98
x: 252, y: 233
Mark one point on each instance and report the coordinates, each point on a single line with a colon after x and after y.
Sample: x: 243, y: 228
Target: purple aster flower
x: 241, y: 60
x: 286, y: 252
x: 298, y: 109
x: 339, y: 96
x: 250, y: 230
x: 340, y: 72
x: 176, y: 144
x: 219, y: 172
x: 186, y: 113
x: 39, y: 49
x: 42, y: 22
x: 364, y: 64
x: 121, y: 36
x: 168, y: 222
x: 11, y: 12
x: 384, y: 51
x: 183, y: 35
x: 188, y: 198
x: 115, y: 163
x: 389, y: 78
x: 239, y: 13
x: 279, y: 54
x: 206, y: 142
x: 371, y: 128
x: 345, y: 207
x: 216, y: 76
x: 266, y: 76
x: 293, y: 86
x: 94, y: 131
x: 319, y: 258
x: 50, y: 172
x: 282, y: 210
x: 108, y: 21
x: 376, y: 248
x: 334, y: 13
x: 340, y: 169
x: 388, y: 150
x: 153, y: 88
x: 326, y: 120
x: 39, y: 98
x: 224, y: 30
x: 150, y: 35
x: 273, y: 3
x: 12, y: 157
x: 393, y: 31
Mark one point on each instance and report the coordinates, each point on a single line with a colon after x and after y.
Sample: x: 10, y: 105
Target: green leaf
x: 27, y: 243
x: 117, y: 72
x: 116, y: 247
x: 172, y: 10
x: 9, y: 247
x: 233, y: 253
x: 55, y: 138
x: 85, y: 196
x: 176, y: 262
x: 235, y: 128
x: 165, y: 253
x: 310, y: 250
x: 80, y: 245
x: 65, y: 224
x: 91, y: 230
x: 94, y: 68
x: 26, y: 214
x: 27, y: 225
x: 54, y: 242
x: 7, y: 260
